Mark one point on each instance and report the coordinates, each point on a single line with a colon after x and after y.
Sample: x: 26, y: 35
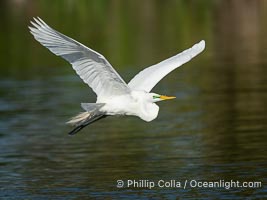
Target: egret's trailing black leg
x: 86, y: 123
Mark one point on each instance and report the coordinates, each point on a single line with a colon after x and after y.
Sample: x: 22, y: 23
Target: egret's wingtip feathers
x: 202, y: 44
x: 34, y: 24
x: 37, y: 23
x: 199, y: 46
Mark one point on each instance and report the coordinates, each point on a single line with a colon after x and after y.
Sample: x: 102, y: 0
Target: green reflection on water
x: 115, y: 28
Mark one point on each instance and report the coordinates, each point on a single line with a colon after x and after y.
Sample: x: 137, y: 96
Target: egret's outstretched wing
x: 91, y: 66
x: 149, y: 77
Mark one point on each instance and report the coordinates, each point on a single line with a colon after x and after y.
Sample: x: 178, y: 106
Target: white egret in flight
x: 114, y: 96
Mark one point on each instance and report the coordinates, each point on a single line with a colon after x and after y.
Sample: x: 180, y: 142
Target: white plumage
x: 114, y: 96
x: 91, y: 66
x: 149, y: 77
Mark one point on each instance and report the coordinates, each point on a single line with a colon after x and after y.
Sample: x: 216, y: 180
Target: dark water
x: 214, y: 130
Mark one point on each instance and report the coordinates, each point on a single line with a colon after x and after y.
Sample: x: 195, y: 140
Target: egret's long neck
x: 144, y: 107
x: 149, y: 111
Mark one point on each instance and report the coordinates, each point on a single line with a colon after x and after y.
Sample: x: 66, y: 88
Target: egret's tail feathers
x: 85, y: 123
x: 78, y: 119
x: 85, y: 118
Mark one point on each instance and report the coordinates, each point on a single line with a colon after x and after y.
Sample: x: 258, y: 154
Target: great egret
x: 114, y: 96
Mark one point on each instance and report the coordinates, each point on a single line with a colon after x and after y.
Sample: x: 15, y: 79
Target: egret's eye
x: 155, y: 97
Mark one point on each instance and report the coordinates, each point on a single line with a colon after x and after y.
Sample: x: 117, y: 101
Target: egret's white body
x: 137, y: 103
x: 114, y: 96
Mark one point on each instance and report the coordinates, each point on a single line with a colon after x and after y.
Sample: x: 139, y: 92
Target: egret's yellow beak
x: 166, y: 97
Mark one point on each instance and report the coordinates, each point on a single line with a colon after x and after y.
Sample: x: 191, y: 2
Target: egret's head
x: 157, y: 97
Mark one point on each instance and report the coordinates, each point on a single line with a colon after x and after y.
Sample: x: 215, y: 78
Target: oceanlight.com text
x: 183, y: 184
